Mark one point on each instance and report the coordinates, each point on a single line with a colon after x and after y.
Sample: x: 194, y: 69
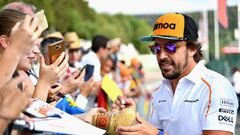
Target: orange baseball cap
x: 173, y: 26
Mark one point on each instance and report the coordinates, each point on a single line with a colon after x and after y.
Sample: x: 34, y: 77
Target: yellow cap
x: 73, y: 40
x: 55, y: 34
x: 173, y: 26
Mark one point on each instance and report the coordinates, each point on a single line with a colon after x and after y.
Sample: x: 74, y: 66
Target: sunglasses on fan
x: 168, y: 47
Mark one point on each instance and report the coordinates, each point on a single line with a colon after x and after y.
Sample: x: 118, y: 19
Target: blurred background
x: 130, y: 20
x: 218, y: 22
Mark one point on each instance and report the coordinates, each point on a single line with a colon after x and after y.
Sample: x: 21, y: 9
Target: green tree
x: 76, y: 15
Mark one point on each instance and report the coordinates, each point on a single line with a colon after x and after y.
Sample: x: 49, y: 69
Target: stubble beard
x: 178, y: 68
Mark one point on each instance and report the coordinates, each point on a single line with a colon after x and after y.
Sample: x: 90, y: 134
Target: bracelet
x: 161, y: 132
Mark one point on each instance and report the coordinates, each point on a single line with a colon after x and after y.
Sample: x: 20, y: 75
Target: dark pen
x: 59, y: 94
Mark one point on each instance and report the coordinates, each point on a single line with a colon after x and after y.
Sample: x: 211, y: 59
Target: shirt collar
x: 197, y: 72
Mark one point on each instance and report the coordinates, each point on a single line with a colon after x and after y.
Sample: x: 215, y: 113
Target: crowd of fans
x: 26, y: 74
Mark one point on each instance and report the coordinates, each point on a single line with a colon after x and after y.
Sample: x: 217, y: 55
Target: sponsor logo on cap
x: 164, y: 26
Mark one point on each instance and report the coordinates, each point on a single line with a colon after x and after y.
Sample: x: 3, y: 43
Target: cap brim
x: 151, y: 38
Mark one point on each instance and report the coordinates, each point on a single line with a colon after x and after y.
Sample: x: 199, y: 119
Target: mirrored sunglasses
x: 168, y: 47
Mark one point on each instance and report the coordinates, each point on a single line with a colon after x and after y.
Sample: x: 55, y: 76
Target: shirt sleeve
x: 81, y: 101
x: 97, y: 72
x: 221, y: 108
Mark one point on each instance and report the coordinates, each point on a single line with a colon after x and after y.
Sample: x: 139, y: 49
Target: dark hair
x: 8, y: 18
x: 113, y: 68
x: 234, y: 69
x: 195, y: 45
x: 123, y: 62
x: 98, y: 42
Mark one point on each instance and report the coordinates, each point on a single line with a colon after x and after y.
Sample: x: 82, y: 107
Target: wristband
x: 161, y: 132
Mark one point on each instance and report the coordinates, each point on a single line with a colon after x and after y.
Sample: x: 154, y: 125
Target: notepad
x: 111, y: 88
x: 43, y: 120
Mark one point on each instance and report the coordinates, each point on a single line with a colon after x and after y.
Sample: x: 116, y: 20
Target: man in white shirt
x: 98, y: 52
x: 191, y: 100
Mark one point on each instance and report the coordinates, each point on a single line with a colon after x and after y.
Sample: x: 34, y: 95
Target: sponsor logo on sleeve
x: 226, y: 102
x: 224, y: 110
x: 226, y: 120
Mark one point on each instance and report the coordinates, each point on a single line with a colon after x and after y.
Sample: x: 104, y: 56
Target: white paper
x: 67, y: 124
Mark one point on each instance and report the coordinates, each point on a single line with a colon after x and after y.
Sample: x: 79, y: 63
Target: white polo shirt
x: 203, y: 100
x: 92, y: 59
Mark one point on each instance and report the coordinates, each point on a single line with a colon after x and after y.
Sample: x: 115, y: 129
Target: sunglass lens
x: 152, y: 50
x: 157, y: 49
x: 171, y: 47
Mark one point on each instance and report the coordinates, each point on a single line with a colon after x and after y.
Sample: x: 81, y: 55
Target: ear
x: 4, y: 41
x: 192, y: 51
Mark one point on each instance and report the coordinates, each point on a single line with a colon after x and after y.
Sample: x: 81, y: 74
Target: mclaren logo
x: 164, y: 26
x: 162, y: 101
x: 191, y: 101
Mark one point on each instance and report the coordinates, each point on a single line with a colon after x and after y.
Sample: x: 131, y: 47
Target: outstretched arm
x: 21, y: 40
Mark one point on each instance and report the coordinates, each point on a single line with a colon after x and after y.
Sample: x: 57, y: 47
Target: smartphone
x: 55, y: 50
x: 89, y: 72
x: 80, y: 71
x: 42, y: 19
